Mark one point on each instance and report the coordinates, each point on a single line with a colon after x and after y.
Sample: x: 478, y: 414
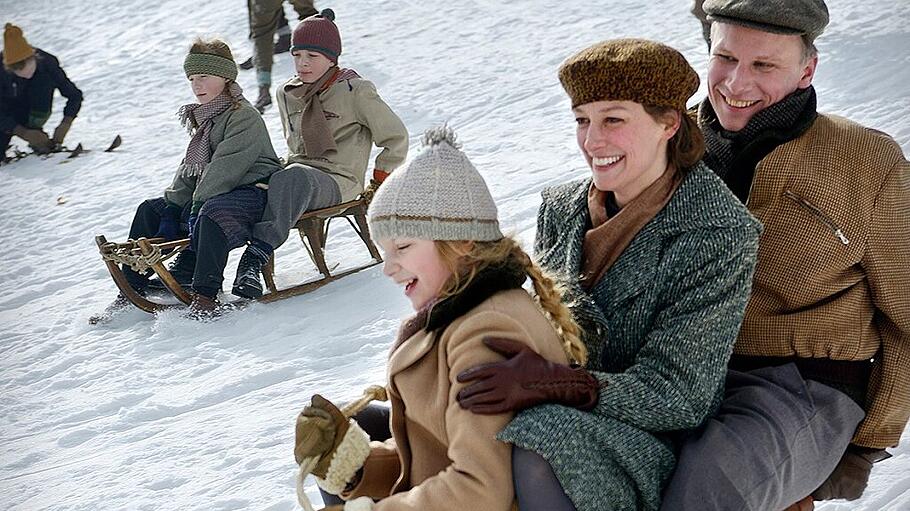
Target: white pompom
x: 438, y: 135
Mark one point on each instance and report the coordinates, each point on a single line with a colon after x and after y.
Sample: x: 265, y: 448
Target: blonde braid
x: 549, y: 296
x: 467, y: 259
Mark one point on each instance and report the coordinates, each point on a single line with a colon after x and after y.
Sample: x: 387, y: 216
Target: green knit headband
x: 209, y: 64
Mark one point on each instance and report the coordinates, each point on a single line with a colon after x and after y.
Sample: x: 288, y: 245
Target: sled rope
x: 139, y: 263
x: 372, y: 393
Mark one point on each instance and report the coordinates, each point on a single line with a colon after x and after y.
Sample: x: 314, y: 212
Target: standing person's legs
x: 304, y: 8
x: 225, y: 222
x: 292, y: 192
x: 775, y: 439
x: 264, y: 17
x: 374, y: 420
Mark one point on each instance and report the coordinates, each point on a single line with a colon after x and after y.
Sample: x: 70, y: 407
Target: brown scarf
x: 197, y: 119
x: 314, y: 129
x: 609, y: 237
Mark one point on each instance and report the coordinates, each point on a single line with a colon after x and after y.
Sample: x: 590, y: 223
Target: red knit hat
x: 318, y: 33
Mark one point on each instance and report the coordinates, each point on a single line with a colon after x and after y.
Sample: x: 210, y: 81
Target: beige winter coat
x: 358, y: 118
x: 441, y: 457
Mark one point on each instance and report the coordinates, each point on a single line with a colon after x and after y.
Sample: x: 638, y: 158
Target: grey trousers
x: 775, y: 439
x: 292, y: 192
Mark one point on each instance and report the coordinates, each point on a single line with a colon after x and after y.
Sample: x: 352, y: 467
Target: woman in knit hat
x: 218, y: 191
x: 332, y: 118
x: 27, y: 82
x: 438, y: 227
x: 657, y: 257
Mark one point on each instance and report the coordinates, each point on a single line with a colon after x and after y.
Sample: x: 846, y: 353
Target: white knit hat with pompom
x: 439, y: 195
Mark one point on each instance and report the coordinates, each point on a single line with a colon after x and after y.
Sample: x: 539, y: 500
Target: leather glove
x: 36, y: 138
x: 320, y: 428
x: 806, y: 504
x: 62, y: 129
x: 523, y: 380
x: 851, y: 475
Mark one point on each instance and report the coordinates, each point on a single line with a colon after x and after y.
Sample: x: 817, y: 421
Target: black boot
x: 248, y: 284
x: 264, y: 99
x: 247, y: 64
x: 283, y: 44
x: 181, y: 269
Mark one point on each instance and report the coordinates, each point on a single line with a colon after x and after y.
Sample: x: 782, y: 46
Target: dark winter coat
x: 28, y: 102
x: 659, y: 327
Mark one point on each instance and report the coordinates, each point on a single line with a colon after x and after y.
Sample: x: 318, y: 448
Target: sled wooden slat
x: 309, y: 286
x: 313, y: 228
x: 163, y: 273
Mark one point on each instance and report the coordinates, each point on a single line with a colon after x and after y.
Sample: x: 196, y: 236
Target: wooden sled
x: 147, y: 254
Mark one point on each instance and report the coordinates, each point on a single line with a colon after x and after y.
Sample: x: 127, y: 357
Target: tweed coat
x: 442, y: 457
x: 833, y: 267
x: 242, y: 154
x: 659, y: 327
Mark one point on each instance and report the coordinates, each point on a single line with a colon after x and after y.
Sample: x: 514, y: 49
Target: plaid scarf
x: 314, y: 129
x: 197, y: 119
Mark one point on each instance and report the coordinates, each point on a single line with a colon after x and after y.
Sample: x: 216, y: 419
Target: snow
x: 164, y: 412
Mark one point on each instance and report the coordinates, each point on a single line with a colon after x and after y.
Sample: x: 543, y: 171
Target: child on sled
x: 437, y: 224
x: 217, y: 193
x: 331, y: 119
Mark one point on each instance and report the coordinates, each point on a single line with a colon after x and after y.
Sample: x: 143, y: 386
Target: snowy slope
x: 167, y: 413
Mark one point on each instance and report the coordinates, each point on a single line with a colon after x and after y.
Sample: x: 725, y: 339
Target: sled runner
x: 150, y: 254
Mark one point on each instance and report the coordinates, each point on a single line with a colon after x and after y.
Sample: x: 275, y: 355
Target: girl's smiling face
x: 418, y: 266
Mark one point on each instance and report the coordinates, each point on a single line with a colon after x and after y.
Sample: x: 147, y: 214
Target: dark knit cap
x: 318, y: 33
x: 638, y: 70
x: 798, y: 17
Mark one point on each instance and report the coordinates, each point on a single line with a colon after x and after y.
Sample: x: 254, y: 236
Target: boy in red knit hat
x: 331, y: 118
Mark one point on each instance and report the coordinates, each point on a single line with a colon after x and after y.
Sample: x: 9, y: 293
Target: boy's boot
x: 264, y: 99
x: 247, y: 284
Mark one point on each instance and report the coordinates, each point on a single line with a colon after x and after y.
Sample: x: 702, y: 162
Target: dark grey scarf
x: 734, y: 155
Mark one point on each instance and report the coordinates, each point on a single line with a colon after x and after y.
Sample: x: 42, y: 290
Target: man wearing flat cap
x: 818, y: 385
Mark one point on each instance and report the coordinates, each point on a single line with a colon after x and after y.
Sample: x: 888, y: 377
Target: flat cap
x: 797, y: 17
x: 646, y: 72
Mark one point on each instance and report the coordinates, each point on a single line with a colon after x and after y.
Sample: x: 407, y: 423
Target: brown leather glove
x: 851, y: 475
x: 62, y: 129
x: 523, y: 380
x: 806, y: 504
x: 36, y: 138
x: 320, y: 428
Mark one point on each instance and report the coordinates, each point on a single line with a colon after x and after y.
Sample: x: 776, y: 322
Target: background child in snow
x: 437, y: 224
x: 331, y: 119
x: 215, y: 189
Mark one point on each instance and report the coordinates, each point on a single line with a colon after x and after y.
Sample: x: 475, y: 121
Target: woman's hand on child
x: 523, y: 380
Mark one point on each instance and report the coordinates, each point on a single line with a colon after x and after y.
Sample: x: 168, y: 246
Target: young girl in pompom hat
x: 217, y: 193
x: 332, y: 118
x: 437, y: 224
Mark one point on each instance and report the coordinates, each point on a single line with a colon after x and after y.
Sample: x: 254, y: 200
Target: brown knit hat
x: 636, y: 70
x: 15, y: 47
x: 318, y: 33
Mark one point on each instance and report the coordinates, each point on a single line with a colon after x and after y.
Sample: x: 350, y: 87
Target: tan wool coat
x: 833, y: 273
x: 442, y: 457
x: 357, y: 118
